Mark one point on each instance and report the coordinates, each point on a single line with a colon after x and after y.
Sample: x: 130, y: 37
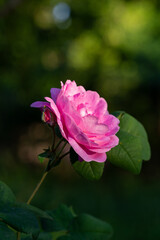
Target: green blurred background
x: 109, y: 46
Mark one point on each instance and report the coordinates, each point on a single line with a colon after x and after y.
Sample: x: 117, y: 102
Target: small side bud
x: 48, y: 116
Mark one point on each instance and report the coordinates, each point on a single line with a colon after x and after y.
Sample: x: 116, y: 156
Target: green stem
x: 32, y: 196
x: 61, y: 149
x: 65, y: 154
x: 37, y: 187
x: 54, y: 138
x: 18, y: 236
x: 56, y: 160
x: 61, y: 140
x: 45, y: 174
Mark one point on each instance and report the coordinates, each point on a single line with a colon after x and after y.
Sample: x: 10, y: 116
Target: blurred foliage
x: 108, y: 46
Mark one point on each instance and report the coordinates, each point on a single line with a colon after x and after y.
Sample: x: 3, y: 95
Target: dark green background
x: 112, y: 47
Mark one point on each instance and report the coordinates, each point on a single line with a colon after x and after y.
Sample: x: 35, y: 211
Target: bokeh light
x: 61, y: 12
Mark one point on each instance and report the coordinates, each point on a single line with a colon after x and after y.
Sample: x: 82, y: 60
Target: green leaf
x: 6, y: 233
x: 36, y: 211
x: 118, y: 114
x: 6, y: 195
x: 62, y: 216
x: 44, y: 155
x: 86, y: 227
x: 127, y: 154
x: 56, y: 235
x: 40, y: 158
x: 67, y: 237
x: 19, y: 218
x: 133, y: 145
x: 90, y: 170
x: 45, y: 236
x: 41, y: 236
x: 29, y: 236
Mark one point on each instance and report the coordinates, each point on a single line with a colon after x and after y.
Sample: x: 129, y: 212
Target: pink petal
x: 114, y: 141
x: 65, y: 107
x: 100, y: 150
x: 70, y: 88
x: 100, y: 108
x: 53, y: 106
x: 85, y: 154
x: 75, y: 131
x: 106, y: 146
x: 107, y: 141
x: 112, y: 123
x: 91, y: 125
x: 81, y: 108
x: 88, y: 100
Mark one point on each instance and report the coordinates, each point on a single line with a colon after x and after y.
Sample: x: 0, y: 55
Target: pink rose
x: 83, y: 119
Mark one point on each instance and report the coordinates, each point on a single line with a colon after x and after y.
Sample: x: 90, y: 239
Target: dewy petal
x: 54, y: 93
x: 86, y: 154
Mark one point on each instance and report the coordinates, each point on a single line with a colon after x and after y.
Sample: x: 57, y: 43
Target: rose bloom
x: 83, y: 119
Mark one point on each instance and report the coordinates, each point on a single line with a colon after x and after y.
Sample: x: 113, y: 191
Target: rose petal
x: 105, y: 146
x: 65, y: 107
x: 75, y: 131
x: 112, y: 123
x: 85, y: 154
x: 88, y: 100
x: 73, y: 89
x: 70, y: 88
x: 100, y: 108
x: 91, y: 126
